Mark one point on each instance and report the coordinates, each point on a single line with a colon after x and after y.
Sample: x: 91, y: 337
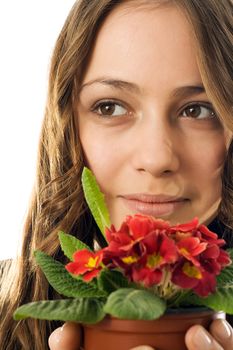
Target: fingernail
x: 223, y: 330
x: 201, y: 339
x: 58, y: 336
x: 55, y: 338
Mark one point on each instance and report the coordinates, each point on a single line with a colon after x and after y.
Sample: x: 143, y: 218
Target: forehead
x: 141, y: 42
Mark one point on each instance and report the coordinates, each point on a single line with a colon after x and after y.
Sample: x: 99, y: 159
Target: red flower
x: 201, y: 257
x: 141, y: 225
x: 86, y: 263
x: 187, y: 227
x: 119, y: 241
x: 133, y: 230
x: 161, y: 248
x: 190, y: 248
x: 140, y: 248
x: 210, y: 236
x: 145, y: 249
x: 224, y: 258
x: 187, y: 275
x: 206, y: 285
x: 146, y: 276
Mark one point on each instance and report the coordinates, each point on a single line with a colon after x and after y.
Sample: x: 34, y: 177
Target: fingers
x: 67, y: 337
x: 198, y: 338
x: 223, y: 333
x: 220, y: 337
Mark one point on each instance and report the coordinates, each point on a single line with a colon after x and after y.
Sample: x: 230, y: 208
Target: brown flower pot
x: 166, y: 333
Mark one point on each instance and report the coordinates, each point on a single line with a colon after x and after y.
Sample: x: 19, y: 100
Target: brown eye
x: 198, y: 112
x: 107, y: 108
x: 110, y: 109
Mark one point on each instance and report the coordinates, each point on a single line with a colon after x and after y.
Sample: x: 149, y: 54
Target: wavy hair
x: 57, y: 201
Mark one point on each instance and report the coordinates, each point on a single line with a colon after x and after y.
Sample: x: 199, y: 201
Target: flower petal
x: 206, y: 285
x: 147, y: 276
x: 187, y: 227
x: 87, y: 277
x: 75, y: 268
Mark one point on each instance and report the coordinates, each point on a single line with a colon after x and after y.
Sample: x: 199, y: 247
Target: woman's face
x: 146, y: 125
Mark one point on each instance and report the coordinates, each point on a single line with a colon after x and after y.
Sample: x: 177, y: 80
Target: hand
x: 68, y: 337
x: 220, y: 337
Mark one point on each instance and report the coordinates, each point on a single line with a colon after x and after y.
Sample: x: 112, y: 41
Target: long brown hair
x: 57, y: 201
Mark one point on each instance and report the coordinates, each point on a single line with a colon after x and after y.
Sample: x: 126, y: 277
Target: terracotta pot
x: 166, y: 333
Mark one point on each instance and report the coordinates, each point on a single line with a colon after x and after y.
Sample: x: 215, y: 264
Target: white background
x: 28, y: 30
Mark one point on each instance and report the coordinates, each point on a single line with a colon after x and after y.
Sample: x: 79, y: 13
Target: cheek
x: 206, y: 176
x: 208, y: 155
x: 213, y: 160
x: 99, y: 153
x: 102, y: 156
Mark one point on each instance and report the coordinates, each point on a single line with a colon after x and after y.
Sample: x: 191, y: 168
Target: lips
x: 154, y: 205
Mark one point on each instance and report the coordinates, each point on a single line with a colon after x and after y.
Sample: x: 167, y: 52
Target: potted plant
x: 150, y: 274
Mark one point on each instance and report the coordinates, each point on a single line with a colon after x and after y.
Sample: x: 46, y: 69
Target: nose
x: 157, y: 148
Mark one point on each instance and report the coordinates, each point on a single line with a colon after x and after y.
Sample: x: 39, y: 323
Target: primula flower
x: 86, y: 263
x: 147, y: 276
x: 203, y: 260
x: 140, y: 225
x: 190, y: 248
x: 146, y: 249
x: 140, y: 248
x: 133, y: 229
x: 189, y: 276
x: 187, y: 227
x: 162, y: 248
x: 157, y: 251
x: 209, y: 236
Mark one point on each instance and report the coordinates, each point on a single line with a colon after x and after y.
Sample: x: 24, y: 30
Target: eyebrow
x: 179, y: 92
x: 190, y: 90
x: 115, y: 83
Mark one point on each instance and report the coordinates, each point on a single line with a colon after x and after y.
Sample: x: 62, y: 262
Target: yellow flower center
x: 184, y: 251
x: 92, y: 262
x: 154, y: 260
x: 130, y: 259
x: 192, y: 271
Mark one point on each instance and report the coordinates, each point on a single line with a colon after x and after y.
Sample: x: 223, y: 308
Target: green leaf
x: 71, y: 244
x: 182, y: 298
x: 221, y: 300
x: 95, y: 200
x: 74, y: 310
x: 129, y: 303
x: 111, y: 280
x: 62, y: 281
x: 230, y: 252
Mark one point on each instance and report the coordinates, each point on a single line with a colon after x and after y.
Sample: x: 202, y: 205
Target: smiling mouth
x: 153, y: 205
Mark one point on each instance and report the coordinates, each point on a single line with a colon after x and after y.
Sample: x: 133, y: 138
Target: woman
x: 141, y: 92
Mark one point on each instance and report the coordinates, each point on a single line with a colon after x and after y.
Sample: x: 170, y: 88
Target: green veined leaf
x: 110, y: 280
x: 221, y: 300
x: 95, y: 200
x: 71, y: 244
x: 129, y: 303
x: 62, y: 281
x: 182, y: 298
x: 73, y: 310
